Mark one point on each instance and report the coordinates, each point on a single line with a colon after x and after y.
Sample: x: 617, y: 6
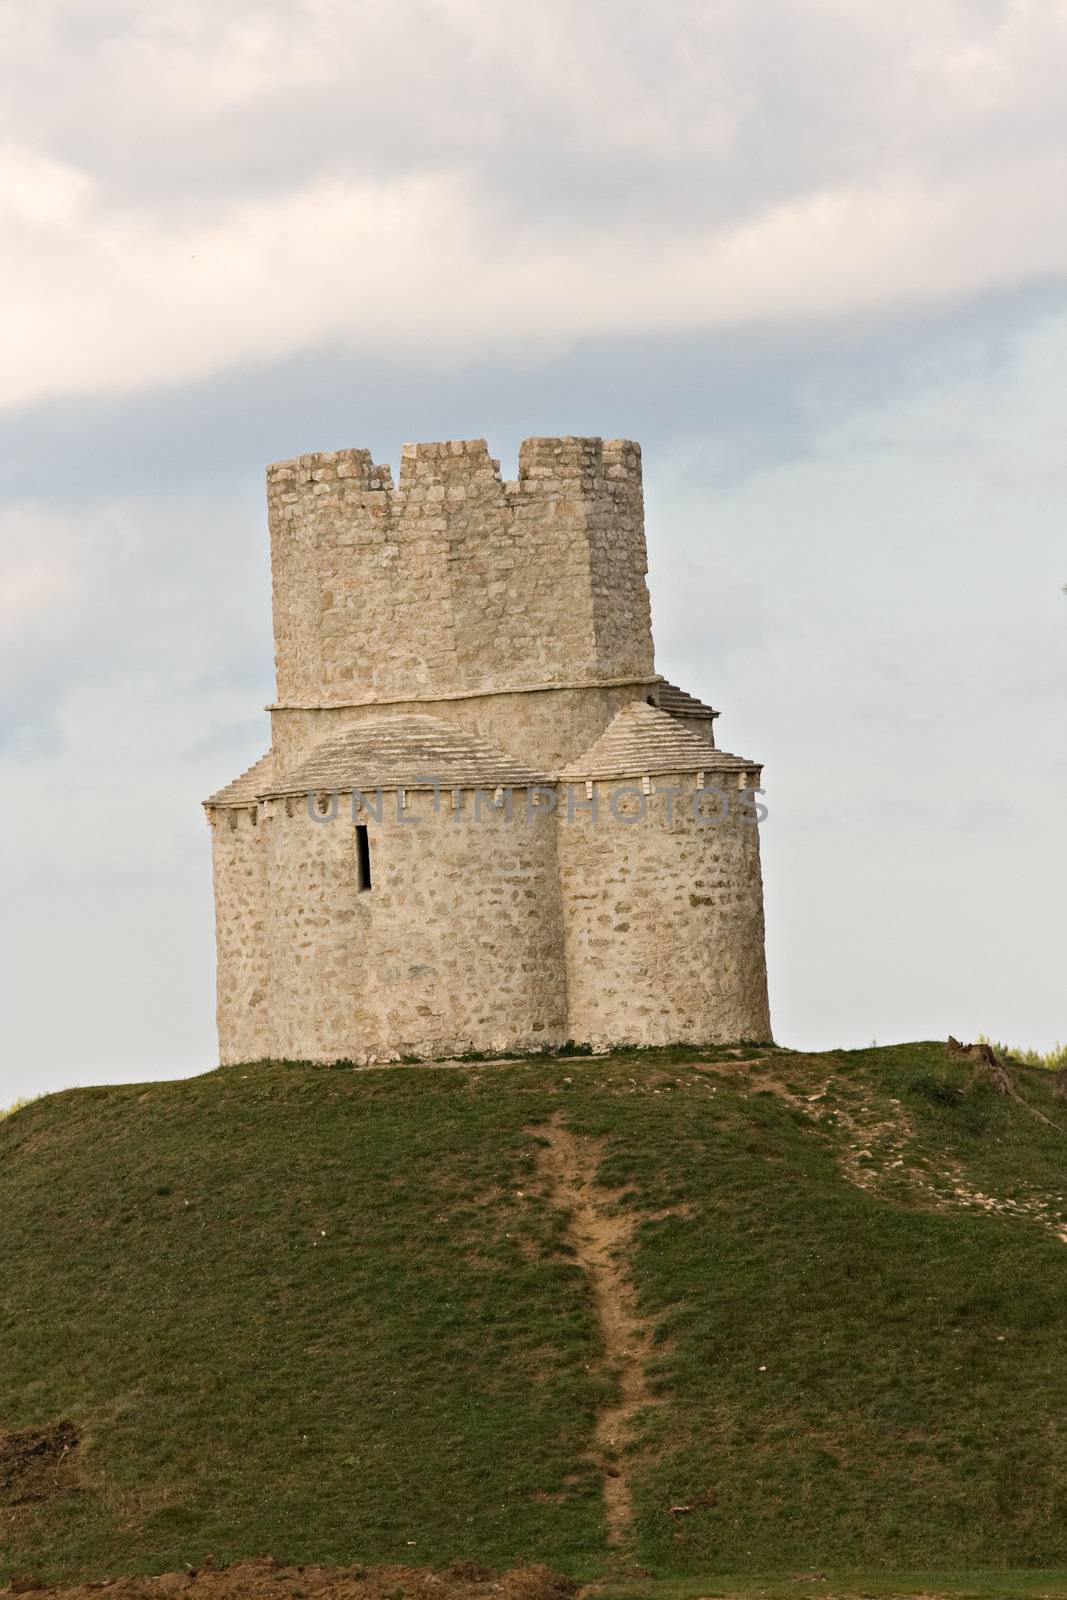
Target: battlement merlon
x: 569, y: 458
x: 455, y: 579
x: 591, y: 460
x: 327, y: 466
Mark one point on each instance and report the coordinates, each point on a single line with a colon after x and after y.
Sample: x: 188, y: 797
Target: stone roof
x: 403, y: 752
x: 680, y: 704
x: 406, y: 752
x: 245, y: 790
x: 641, y: 740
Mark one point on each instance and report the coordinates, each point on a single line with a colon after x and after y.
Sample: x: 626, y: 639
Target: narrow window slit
x: 362, y: 857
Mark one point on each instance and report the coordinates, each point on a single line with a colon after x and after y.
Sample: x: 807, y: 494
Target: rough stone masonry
x: 485, y: 821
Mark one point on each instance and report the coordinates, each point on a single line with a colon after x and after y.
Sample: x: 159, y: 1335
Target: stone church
x: 485, y: 821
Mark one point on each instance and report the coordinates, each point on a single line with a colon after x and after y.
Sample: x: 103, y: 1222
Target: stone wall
x: 456, y: 946
x: 546, y: 728
x: 454, y: 579
x: 244, y: 1001
x: 486, y: 933
x: 702, y: 727
x: 663, y: 921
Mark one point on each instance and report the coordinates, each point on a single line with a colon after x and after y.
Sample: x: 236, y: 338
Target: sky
x: 812, y: 254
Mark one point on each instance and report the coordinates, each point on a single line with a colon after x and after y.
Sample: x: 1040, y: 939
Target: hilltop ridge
x: 733, y: 1310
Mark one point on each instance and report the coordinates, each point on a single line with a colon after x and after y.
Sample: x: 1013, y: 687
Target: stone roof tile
x: 403, y: 752
x: 641, y: 740
x: 680, y: 704
x: 245, y: 790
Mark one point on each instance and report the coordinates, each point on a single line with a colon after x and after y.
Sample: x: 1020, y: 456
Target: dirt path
x: 601, y: 1239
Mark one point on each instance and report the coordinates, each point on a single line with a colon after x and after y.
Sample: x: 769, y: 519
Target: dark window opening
x: 362, y: 857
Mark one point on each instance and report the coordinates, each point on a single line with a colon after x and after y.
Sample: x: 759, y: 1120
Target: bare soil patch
x: 266, y: 1579
x: 37, y: 1463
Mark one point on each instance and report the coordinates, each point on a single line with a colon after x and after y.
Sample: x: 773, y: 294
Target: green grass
x: 1005, y: 1585
x: 1054, y: 1060
x: 331, y: 1314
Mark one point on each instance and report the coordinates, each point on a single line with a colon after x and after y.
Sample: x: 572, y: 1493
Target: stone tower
x: 485, y: 821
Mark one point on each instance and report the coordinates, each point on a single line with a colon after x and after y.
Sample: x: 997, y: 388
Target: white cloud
x: 133, y: 682
x: 184, y: 192
x: 418, y: 265
x: 32, y: 586
x: 36, y: 192
x: 115, y: 593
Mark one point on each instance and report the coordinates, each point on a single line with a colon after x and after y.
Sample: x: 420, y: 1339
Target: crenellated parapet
x: 454, y: 579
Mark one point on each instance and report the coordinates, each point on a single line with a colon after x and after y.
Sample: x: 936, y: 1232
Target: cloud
x: 195, y: 193
x: 38, y: 193
x: 114, y: 595
x: 417, y: 265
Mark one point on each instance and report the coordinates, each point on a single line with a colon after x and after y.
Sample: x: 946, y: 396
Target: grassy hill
x: 792, y: 1312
